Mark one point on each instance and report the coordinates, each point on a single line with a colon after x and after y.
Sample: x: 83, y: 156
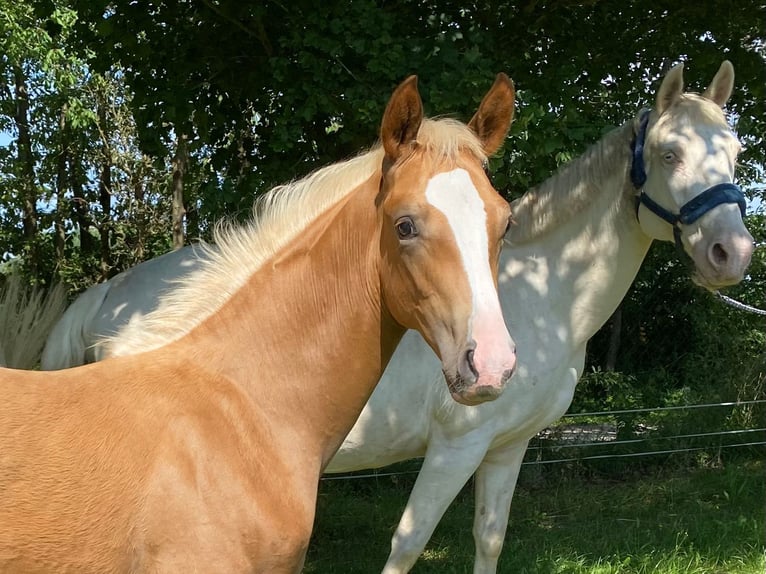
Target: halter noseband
x: 693, y: 209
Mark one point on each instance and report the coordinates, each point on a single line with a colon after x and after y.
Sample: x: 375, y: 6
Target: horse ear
x: 720, y: 88
x: 671, y: 88
x: 492, y: 120
x: 402, y: 118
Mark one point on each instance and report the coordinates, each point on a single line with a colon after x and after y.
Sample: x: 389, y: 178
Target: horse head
x: 684, y: 160
x: 442, y: 229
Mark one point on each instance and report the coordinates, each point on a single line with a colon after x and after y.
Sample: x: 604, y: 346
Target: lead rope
x: 738, y: 304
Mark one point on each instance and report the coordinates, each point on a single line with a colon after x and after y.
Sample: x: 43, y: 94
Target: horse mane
x: 573, y: 187
x: 278, y: 217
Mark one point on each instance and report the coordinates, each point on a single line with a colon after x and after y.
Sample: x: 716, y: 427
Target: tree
x: 294, y: 88
x: 72, y: 151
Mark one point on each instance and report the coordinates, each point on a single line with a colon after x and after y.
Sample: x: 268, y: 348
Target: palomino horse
x: 567, y: 264
x: 202, y: 452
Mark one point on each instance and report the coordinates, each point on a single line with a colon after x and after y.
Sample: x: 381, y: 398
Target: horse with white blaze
x: 201, y: 447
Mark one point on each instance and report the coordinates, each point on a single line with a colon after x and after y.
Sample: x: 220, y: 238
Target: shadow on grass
x: 702, y: 521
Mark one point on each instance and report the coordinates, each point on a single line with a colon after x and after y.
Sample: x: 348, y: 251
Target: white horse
x: 580, y: 239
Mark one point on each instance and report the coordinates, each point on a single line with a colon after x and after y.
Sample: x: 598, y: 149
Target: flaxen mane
x: 279, y: 216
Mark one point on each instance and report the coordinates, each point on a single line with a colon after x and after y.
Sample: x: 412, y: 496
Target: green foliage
x: 606, y: 390
x: 294, y: 88
x: 77, y: 121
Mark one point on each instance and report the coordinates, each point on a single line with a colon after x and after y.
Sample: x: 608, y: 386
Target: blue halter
x: 693, y: 209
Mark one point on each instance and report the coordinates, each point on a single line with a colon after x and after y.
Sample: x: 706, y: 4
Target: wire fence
x: 570, y: 434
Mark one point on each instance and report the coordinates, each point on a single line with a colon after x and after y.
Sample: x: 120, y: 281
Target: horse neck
x: 580, y: 262
x: 307, y: 337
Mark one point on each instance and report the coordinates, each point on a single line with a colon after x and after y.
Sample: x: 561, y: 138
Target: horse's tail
x: 66, y: 345
x: 26, y: 316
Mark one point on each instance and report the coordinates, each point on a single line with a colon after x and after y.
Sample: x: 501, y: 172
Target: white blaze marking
x: 454, y: 194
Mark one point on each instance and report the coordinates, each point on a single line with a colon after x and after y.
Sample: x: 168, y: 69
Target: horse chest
x: 539, y: 399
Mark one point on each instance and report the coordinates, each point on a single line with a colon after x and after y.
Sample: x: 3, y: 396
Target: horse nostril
x: 507, y: 374
x: 718, y: 255
x: 469, y: 362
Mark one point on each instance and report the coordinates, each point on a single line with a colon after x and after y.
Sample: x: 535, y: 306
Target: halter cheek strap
x: 693, y: 209
x: 637, y: 168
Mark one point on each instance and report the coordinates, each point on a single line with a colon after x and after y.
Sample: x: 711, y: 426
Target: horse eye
x: 669, y: 156
x: 405, y: 228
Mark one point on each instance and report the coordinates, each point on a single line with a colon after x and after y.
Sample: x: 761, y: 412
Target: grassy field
x: 700, y: 521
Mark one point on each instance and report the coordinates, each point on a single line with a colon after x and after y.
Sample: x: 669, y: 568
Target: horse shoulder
x: 70, y: 473
x: 223, y: 485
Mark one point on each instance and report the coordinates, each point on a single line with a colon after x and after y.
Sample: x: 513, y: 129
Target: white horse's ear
x: 671, y: 88
x: 720, y: 88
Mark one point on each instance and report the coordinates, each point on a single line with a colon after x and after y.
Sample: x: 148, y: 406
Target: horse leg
x: 446, y: 468
x: 494, y: 484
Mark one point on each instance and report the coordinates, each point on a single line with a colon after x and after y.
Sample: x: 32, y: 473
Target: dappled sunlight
x: 119, y: 308
x: 690, y: 149
x: 569, y: 259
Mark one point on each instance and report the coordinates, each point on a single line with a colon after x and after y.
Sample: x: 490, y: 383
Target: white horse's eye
x: 669, y: 157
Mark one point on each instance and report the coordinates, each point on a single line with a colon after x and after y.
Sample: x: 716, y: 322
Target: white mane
x: 580, y: 183
x: 279, y: 216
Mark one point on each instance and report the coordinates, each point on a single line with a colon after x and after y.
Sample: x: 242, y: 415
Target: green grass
x: 700, y: 521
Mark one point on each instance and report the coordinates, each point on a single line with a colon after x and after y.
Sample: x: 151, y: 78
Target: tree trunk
x: 179, y: 168
x: 105, y: 195
x: 61, y: 186
x: 141, y: 224
x: 614, y: 340
x: 192, y: 221
x: 81, y: 205
x: 26, y: 163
